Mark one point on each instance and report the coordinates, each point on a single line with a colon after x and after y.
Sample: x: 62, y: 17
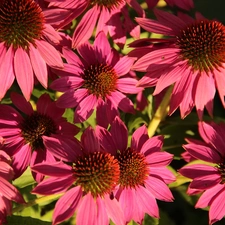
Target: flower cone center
x: 110, y: 4
x: 100, y: 80
x: 221, y: 169
x: 133, y: 168
x: 97, y: 173
x: 21, y: 22
x: 203, y: 45
x: 34, y: 127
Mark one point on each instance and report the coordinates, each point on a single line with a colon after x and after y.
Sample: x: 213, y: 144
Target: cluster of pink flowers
x: 60, y: 56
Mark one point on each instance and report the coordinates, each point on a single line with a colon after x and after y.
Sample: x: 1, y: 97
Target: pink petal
x: 51, y: 34
x: 167, y: 176
x: 159, y: 158
x: 155, y: 26
x: 128, y: 203
x: 220, y: 80
x: 118, y: 99
x: 114, y: 210
x: 147, y: 201
x: 217, y: 208
x: 39, y: 66
x: 49, y: 54
x: 7, y: 75
x: 57, y: 169
x: 85, y: 27
x: 21, y: 160
x: 9, y: 191
x: 66, y: 205
x: 139, y: 137
x: 210, y: 136
x: 102, y: 217
x: 128, y: 85
x: 208, y: 195
x: 204, y: 153
x: 106, y: 140
x: 87, y: 211
x: 119, y: 133
x: 72, y: 98
x: 152, y: 145
x: 169, y: 78
x: 203, y: 98
x: 24, y: 73
x: 90, y: 141
x: 21, y: 103
x: 159, y: 189
x: 64, y: 148
x: 71, y: 57
x: 206, y: 182
x: 85, y: 108
x: 54, y: 185
x: 102, y: 47
x: 170, y: 20
x: 124, y: 65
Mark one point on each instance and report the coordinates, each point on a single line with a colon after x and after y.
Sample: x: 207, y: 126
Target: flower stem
x: 35, y: 202
x: 160, y: 113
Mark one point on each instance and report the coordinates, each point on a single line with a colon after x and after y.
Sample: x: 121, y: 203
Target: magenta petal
x: 39, y: 66
x: 54, y: 185
x: 9, y: 191
x: 159, y: 158
x: 206, y: 182
x: 21, y: 160
x: 128, y: 85
x: 152, y: 145
x: 128, y: 203
x: 114, y: 210
x: 217, y: 208
x: 85, y: 27
x: 102, y: 217
x: 57, y: 169
x: 85, y: 108
x: 208, y: 195
x: 159, y: 189
x: 164, y: 173
x: 198, y: 170
x: 220, y: 79
x: 6, y: 67
x: 106, y: 140
x: 49, y: 54
x: 210, y: 136
x: 203, y: 152
x: 123, y: 66
x: 87, y: 211
x: 21, y: 103
x: 24, y: 73
x: 119, y: 133
x: 148, y: 202
x: 120, y: 100
x: 139, y: 137
x: 90, y: 141
x: 102, y: 47
x: 62, y: 148
x: 203, y: 98
x: 72, y: 98
x: 66, y: 205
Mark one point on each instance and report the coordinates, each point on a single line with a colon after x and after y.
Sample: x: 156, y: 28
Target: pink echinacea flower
x: 96, y: 80
x: 38, y: 136
x: 193, y: 60
x: 25, y: 46
x: 87, y: 182
x: 208, y: 177
x: 143, y: 173
x: 110, y: 16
